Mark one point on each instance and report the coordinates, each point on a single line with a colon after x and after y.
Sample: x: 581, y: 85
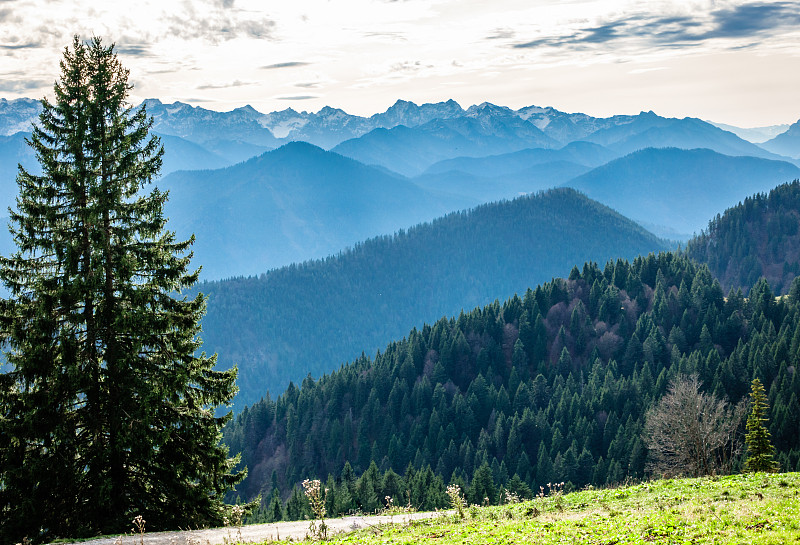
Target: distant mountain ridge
x: 17, y: 115
x: 786, y: 143
x: 330, y: 126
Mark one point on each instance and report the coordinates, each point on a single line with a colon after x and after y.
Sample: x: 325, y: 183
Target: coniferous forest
x: 551, y: 386
x: 760, y: 237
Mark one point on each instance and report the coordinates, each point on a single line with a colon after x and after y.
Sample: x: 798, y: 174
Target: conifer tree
x: 106, y: 413
x: 759, y: 447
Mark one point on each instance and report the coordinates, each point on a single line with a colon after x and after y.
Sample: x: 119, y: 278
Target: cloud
x: 290, y: 64
x: 390, y: 36
x: 218, y: 26
x: 753, y: 20
x: 307, y: 85
x: 197, y: 100
x: 22, y: 85
x: 133, y: 49
x: 230, y: 85
x: 408, y: 66
x: 603, y: 33
x: 6, y: 14
x: 25, y: 45
x: 501, y: 34
x: 298, y: 97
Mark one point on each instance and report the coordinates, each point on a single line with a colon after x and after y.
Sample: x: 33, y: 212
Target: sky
x: 728, y: 61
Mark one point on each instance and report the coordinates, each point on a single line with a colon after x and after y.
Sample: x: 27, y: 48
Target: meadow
x: 736, y: 509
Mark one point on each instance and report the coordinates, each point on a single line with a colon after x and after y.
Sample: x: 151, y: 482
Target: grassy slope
x: 738, y: 509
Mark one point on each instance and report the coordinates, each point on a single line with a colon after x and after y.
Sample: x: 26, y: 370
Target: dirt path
x: 256, y: 532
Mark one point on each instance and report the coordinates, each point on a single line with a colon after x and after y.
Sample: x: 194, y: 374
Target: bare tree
x: 689, y: 432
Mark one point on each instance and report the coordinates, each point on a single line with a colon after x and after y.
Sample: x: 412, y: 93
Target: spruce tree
x: 759, y: 447
x: 107, y: 413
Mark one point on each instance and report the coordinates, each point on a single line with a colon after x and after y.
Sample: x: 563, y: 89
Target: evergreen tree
x: 275, y: 509
x: 759, y: 448
x: 106, y: 412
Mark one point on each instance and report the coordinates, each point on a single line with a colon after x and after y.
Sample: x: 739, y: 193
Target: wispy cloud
x: 289, y: 64
x: 21, y: 85
x: 23, y: 45
x: 502, y: 34
x: 236, y: 83
x: 134, y: 49
x: 754, y: 20
x: 299, y: 97
x: 408, y: 66
x: 218, y: 24
x: 386, y: 36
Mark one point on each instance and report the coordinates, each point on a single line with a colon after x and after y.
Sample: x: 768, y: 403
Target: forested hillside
x: 549, y: 387
x: 312, y: 317
x: 759, y: 237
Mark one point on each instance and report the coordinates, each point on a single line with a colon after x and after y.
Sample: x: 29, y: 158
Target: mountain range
x: 257, y: 200
x: 243, y: 131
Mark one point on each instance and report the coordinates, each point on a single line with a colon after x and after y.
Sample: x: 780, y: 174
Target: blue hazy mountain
x: 756, y: 135
x: 179, y: 154
x: 13, y: 151
x: 648, y: 130
x: 786, y: 143
x: 457, y: 157
x: 680, y: 189
x: 583, y: 153
x: 507, y: 185
x: 311, y: 317
x: 182, y: 154
x: 292, y: 204
x: 485, y: 130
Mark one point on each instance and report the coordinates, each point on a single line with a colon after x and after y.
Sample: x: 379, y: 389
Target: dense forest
x: 548, y: 387
x: 312, y: 317
x: 758, y: 238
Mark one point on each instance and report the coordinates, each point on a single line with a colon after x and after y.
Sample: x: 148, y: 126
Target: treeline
x: 758, y: 238
x: 549, y: 387
x: 314, y: 316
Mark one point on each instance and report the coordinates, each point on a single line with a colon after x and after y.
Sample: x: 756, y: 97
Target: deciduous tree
x: 689, y: 432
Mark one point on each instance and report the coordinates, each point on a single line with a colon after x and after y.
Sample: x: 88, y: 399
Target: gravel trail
x: 256, y: 532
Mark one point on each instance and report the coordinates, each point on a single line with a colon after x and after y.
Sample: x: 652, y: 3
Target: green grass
x: 737, y: 509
